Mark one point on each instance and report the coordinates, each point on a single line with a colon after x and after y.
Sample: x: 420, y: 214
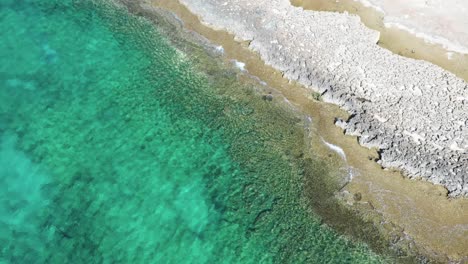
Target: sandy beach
x: 416, y: 136
x: 437, y: 21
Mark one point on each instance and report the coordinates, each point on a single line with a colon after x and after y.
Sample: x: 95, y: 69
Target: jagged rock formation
x: 415, y: 112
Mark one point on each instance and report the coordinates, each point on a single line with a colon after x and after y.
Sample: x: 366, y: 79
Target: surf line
x: 342, y: 155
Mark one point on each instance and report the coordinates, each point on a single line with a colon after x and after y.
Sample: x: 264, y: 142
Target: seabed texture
x: 123, y: 144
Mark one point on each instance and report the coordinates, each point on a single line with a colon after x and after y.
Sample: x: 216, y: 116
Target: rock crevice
x: 416, y: 113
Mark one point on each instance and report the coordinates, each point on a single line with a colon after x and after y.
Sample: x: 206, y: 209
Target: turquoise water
x: 122, y: 144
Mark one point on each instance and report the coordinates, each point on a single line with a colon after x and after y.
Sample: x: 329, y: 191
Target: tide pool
x: 120, y: 143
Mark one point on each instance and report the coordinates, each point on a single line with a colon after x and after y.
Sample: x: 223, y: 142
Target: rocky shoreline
x: 416, y: 113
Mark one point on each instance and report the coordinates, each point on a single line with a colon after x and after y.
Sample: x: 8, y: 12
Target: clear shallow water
x: 120, y: 146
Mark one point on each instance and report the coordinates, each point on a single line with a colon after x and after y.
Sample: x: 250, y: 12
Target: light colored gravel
x: 415, y: 112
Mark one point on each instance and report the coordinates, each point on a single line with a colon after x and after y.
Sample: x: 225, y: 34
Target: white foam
x: 220, y: 49
x: 240, y: 65
x: 369, y: 4
x: 351, y: 173
x: 437, y: 21
x: 433, y: 39
x: 335, y: 148
x: 450, y: 55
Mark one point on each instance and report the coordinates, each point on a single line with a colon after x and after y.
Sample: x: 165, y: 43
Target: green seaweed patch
x: 273, y: 133
x: 269, y: 145
x: 317, y: 96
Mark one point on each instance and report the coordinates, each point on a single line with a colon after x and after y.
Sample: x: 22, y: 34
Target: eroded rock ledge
x: 416, y: 113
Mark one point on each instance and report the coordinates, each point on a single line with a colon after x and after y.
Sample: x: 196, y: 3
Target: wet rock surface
x: 416, y: 113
